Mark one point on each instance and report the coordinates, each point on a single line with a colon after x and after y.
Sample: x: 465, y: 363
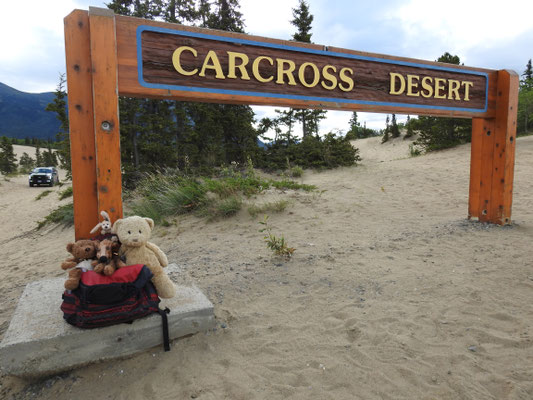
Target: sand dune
x: 391, y: 294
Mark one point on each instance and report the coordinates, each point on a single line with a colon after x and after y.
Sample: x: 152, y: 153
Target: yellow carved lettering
x: 329, y: 77
x: 343, y: 75
x: 411, y: 84
x: 394, y: 77
x: 255, y: 69
x: 467, y: 86
x: 232, y: 65
x: 316, y: 74
x: 427, y: 87
x: 439, y: 86
x: 176, y: 61
x: 453, y: 89
x: 285, y: 68
x: 211, y: 62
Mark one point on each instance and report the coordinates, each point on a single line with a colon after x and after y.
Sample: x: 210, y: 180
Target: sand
x: 391, y: 293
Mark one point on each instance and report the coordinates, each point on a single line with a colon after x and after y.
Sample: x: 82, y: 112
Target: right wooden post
x: 493, y: 154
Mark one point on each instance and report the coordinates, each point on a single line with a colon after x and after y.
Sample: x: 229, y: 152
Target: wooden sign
x: 110, y: 55
x: 241, y: 66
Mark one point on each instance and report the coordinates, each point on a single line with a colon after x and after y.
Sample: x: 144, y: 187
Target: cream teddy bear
x: 133, y: 234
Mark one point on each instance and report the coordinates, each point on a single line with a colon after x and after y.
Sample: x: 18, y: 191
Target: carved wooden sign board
x: 110, y: 55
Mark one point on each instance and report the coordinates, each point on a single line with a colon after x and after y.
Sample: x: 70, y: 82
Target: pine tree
x: 394, y: 130
x: 354, y: 128
x: 386, y: 131
x: 179, y: 11
x: 49, y: 158
x: 302, y: 20
x: 26, y: 163
x: 226, y: 16
x: 409, y: 127
x: 8, y: 160
x: 59, y: 106
x: 525, y: 100
x: 38, y: 157
x: 528, y: 74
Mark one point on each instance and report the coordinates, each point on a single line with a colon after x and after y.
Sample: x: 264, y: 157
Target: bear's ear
x: 115, y: 226
x: 150, y: 222
x: 69, y: 247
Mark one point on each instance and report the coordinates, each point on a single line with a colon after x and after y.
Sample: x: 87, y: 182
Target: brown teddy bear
x: 133, y: 234
x: 81, y: 250
x: 107, y: 258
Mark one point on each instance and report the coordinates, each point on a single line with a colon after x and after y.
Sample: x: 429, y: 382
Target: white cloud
x: 268, y: 19
x: 463, y: 25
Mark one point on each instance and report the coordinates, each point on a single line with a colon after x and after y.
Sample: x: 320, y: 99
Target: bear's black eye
x: 88, y: 249
x: 140, y: 231
x: 129, y: 232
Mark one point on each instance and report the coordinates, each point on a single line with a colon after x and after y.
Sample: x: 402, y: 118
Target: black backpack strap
x: 166, y: 341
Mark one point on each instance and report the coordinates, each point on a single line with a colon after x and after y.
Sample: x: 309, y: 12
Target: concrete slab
x: 39, y: 342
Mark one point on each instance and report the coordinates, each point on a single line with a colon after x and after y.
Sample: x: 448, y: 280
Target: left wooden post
x: 90, y: 48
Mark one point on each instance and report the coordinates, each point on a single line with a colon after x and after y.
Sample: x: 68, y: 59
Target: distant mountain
x: 22, y: 114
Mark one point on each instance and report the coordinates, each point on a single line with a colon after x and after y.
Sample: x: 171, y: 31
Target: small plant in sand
x: 65, y: 193
x: 63, y: 215
x: 277, y: 244
x: 414, y: 150
x: 43, y: 194
x: 275, y: 206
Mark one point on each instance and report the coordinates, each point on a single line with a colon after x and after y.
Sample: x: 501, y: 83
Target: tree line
x: 162, y: 134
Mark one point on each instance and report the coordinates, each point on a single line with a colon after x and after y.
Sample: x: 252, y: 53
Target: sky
x: 483, y: 33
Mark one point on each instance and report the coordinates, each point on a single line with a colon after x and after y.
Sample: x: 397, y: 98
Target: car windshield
x: 42, y: 171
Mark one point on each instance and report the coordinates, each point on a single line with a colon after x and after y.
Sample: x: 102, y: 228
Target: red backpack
x: 102, y: 300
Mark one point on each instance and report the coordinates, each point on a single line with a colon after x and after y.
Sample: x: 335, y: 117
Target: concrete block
x: 39, y: 342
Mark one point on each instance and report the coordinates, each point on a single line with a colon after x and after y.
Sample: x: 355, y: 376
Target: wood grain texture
x: 81, y: 122
x: 372, y: 79
x: 478, y: 129
x: 129, y: 82
x: 485, y: 181
x: 504, y: 148
x: 493, y: 154
x: 107, y: 128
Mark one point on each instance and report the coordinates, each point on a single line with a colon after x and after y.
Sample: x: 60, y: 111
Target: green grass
x: 288, y: 184
x: 65, y: 193
x: 159, y: 196
x: 63, y: 215
x: 273, y: 207
x: 221, y: 208
x: 43, y: 194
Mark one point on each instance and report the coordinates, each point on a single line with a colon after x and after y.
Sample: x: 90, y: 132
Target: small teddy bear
x: 81, y: 250
x: 133, y: 234
x: 107, y: 258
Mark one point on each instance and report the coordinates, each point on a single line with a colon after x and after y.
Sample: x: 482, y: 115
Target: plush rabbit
x: 105, y: 224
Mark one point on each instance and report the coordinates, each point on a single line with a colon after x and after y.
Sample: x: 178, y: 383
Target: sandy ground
x: 391, y: 293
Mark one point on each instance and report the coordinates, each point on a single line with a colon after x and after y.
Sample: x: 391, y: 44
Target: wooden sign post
x: 110, y: 55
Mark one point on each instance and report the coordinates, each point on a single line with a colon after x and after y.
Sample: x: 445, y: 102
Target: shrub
x: 311, y: 152
x: 158, y: 196
x: 278, y: 245
x: 442, y: 133
x: 62, y: 215
x: 66, y: 193
x: 44, y: 193
x: 276, y: 206
x: 222, y: 208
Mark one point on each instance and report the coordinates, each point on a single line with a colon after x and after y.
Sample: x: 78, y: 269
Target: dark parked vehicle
x: 44, y: 176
